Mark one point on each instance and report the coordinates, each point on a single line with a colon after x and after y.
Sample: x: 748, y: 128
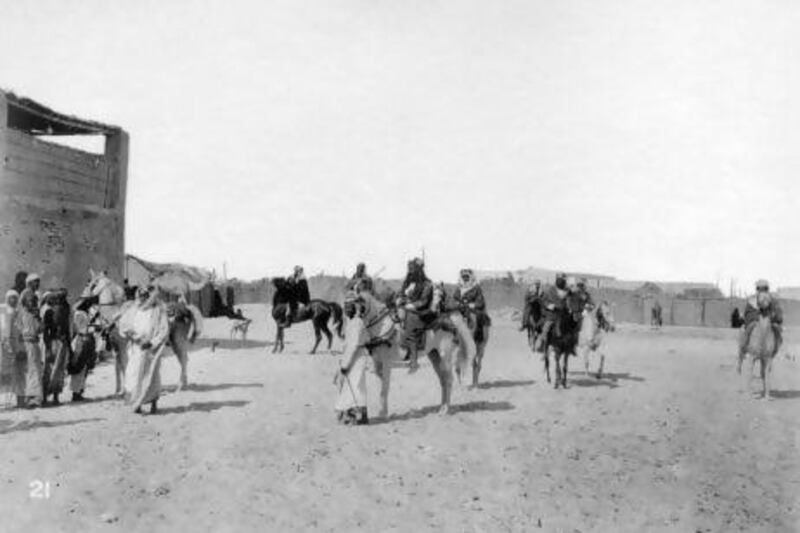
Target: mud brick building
x: 62, y: 209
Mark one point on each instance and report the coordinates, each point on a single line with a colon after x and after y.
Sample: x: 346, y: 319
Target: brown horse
x: 319, y: 312
x: 562, y: 339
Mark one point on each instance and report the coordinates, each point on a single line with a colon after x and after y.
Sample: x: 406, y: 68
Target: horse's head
x: 574, y: 306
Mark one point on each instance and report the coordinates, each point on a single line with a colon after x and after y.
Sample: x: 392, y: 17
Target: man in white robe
x: 351, y: 403
x: 147, y: 331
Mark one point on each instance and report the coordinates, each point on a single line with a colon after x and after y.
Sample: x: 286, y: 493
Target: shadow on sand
x: 230, y: 344
x: 6, y: 426
x: 785, y: 394
x: 505, y: 383
x: 210, y: 387
x: 202, y: 407
x: 469, y: 407
x: 578, y: 378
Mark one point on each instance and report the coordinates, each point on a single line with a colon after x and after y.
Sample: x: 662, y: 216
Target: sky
x: 644, y: 140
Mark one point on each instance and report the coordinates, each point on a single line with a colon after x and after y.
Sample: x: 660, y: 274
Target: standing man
x: 12, y: 350
x: 31, y: 328
x: 57, y: 335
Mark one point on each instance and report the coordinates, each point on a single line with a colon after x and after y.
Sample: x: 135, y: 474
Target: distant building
x: 62, y: 209
x: 789, y: 293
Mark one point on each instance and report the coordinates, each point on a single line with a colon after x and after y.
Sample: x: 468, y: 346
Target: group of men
x: 36, y: 345
x: 423, y: 304
x: 552, y: 301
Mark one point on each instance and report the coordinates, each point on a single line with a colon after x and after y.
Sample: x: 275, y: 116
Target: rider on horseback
x: 553, y: 302
x: 471, y: 302
x: 583, y: 294
x: 298, y: 289
x: 762, y: 302
x: 532, y: 294
x: 416, y: 298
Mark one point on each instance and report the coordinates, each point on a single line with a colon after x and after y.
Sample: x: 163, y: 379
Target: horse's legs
x: 564, y: 371
x: 317, y: 337
x: 181, y: 353
x: 277, y: 338
x: 600, y: 368
x: 557, y: 361
x: 767, y: 377
x: 477, y: 363
x: 386, y: 375
x: 443, y: 373
x: 546, y: 357
x: 328, y: 334
x: 120, y: 366
x: 585, y: 351
x: 763, y: 369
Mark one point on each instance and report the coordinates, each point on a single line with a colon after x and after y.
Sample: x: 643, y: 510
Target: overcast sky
x: 621, y: 137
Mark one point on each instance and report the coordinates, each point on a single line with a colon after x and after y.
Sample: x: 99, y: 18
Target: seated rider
x: 416, y: 299
x: 472, y: 303
x: 583, y: 294
x: 298, y: 289
x: 553, y: 303
x: 358, y: 283
x: 762, y: 301
x: 532, y: 294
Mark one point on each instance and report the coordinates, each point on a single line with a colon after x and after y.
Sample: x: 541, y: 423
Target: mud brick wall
x: 62, y: 210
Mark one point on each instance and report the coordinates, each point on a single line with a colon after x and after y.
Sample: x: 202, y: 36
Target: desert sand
x: 668, y: 441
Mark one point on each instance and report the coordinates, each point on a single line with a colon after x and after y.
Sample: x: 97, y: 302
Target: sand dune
x: 667, y: 442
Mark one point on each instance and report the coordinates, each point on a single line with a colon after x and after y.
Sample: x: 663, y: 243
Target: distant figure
x: 532, y: 295
x: 762, y: 303
x: 736, y: 319
x: 656, y: 312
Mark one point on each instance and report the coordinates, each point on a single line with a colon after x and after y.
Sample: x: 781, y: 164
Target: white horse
x: 596, y: 322
x: 110, y: 299
x: 762, y: 346
x: 448, y: 352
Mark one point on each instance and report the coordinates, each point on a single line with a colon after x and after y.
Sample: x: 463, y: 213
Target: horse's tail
x: 197, y: 323
x: 338, y: 318
x: 466, y: 355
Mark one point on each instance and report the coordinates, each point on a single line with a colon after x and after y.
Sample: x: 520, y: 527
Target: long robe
x: 148, y: 324
x: 13, y: 367
x: 351, y: 401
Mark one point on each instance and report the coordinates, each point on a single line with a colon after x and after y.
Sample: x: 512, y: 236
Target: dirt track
x: 667, y: 442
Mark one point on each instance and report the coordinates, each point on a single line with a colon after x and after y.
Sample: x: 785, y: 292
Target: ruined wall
x: 61, y: 210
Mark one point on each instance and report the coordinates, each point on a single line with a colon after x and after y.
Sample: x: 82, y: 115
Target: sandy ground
x: 667, y: 442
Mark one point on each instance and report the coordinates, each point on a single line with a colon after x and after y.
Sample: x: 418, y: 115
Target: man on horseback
x: 553, y: 303
x: 360, y: 280
x: 416, y: 299
x: 300, y: 296
x: 762, y: 302
x: 583, y: 294
x: 472, y: 304
x: 532, y: 294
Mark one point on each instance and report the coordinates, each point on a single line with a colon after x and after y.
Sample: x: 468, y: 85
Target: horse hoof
x: 443, y: 410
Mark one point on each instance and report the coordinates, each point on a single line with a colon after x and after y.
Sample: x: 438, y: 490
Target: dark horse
x: 562, y: 339
x: 318, y: 311
x: 534, y: 324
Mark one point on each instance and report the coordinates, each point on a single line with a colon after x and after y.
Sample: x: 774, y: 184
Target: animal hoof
x: 443, y: 410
